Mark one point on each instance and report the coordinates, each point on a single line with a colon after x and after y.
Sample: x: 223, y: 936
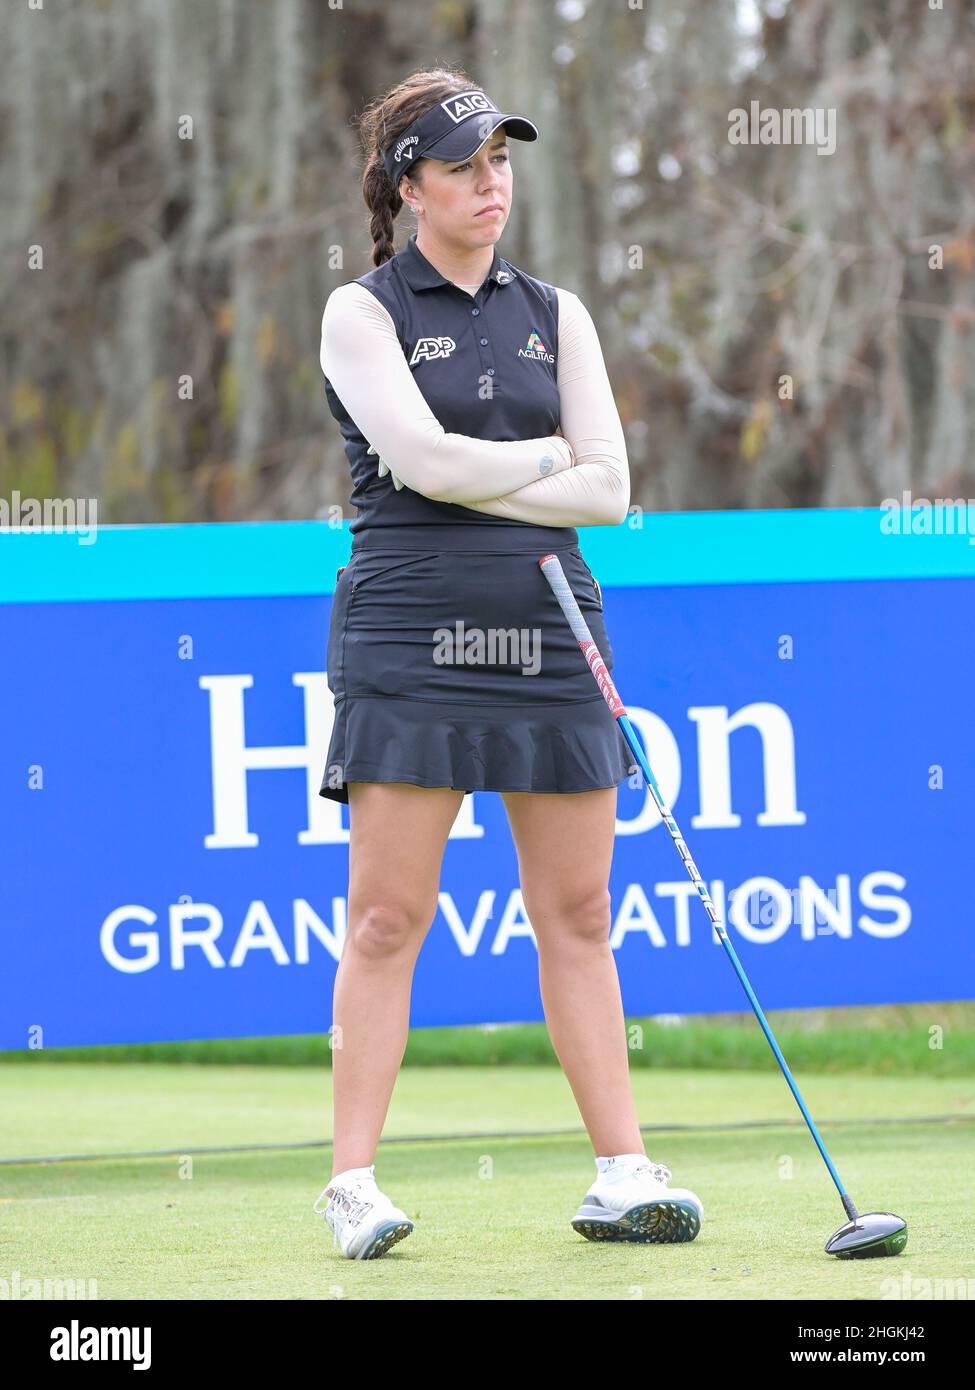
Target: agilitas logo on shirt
x: 429, y: 349
x: 536, y: 349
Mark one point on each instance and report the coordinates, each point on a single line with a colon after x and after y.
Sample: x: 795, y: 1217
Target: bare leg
x: 565, y: 849
x: 396, y: 843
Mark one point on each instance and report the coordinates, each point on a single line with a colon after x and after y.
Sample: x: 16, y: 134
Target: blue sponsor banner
x: 802, y: 682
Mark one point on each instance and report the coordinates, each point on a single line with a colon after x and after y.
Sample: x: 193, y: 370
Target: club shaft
x: 552, y: 569
x: 630, y: 735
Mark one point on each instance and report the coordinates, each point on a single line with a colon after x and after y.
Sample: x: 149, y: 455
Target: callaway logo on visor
x: 404, y: 145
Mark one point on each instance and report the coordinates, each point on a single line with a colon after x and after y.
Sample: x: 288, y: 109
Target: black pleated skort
x: 458, y: 669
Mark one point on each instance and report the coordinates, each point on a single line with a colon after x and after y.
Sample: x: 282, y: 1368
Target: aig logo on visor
x: 428, y: 349
x: 465, y: 104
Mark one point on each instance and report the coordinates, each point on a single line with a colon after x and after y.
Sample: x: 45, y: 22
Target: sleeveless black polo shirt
x: 486, y: 366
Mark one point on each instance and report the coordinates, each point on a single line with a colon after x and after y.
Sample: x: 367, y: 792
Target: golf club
x: 875, y: 1234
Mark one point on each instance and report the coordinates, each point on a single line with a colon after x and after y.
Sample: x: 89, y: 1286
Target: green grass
x: 492, y: 1213
x: 893, y: 1040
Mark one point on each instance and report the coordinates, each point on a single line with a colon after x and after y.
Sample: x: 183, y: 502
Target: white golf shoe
x: 363, y: 1221
x: 630, y: 1200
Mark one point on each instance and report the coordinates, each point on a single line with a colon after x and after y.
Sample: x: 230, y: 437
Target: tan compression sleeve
x: 363, y: 360
x: 596, y: 492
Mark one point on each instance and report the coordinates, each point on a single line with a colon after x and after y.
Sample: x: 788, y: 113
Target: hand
x: 384, y: 468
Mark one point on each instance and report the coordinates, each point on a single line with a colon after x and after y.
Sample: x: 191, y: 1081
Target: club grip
x: 554, y: 573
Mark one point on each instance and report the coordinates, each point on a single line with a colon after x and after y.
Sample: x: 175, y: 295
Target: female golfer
x: 481, y: 429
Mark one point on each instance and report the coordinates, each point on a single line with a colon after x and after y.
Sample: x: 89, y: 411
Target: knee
x: 584, y: 919
x: 385, y: 929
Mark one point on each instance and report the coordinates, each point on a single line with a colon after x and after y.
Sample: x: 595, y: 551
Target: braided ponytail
x: 382, y: 123
x: 384, y: 202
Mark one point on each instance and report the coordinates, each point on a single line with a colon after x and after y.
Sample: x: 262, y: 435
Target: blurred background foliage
x: 180, y: 192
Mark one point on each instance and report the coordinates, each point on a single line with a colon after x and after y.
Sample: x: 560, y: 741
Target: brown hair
x: 380, y: 125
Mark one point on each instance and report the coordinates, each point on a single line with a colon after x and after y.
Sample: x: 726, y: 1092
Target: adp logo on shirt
x: 428, y: 349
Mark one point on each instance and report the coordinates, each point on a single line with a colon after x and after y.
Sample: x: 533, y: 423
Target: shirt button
x: 490, y: 371
x: 484, y: 342
x: 475, y: 312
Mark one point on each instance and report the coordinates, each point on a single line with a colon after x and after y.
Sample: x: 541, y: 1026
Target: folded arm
x: 363, y: 360
x: 596, y: 492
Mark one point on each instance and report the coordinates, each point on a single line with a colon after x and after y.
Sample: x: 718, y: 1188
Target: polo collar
x: 421, y: 275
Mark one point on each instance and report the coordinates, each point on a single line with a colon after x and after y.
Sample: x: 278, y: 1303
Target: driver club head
x: 874, y: 1234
